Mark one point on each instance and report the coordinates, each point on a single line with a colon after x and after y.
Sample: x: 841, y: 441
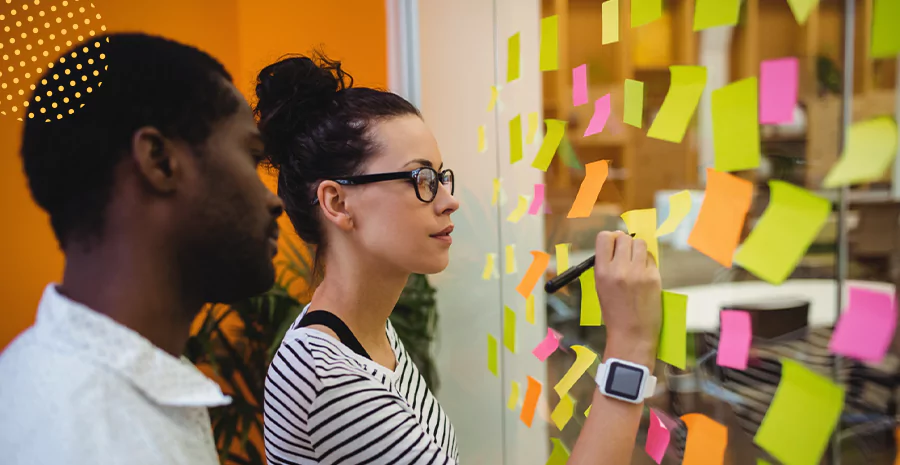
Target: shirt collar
x: 167, y: 380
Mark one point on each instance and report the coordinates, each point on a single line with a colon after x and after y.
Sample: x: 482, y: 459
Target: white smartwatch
x: 625, y: 381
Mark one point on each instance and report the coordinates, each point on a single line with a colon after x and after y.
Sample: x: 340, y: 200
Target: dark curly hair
x: 150, y: 81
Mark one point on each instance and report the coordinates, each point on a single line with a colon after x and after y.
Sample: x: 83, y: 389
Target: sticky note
x: 784, y: 232
x: 535, y: 270
x: 601, y: 115
x: 548, y: 345
x: 803, y: 414
x: 513, y: 396
x: 579, y: 85
x: 559, y: 455
x: 871, y: 145
x: 885, y: 37
x: 634, y: 100
x: 778, y: 83
x: 482, y: 139
x: 673, y: 334
x: 563, y: 411
x: 509, y: 329
x: 706, y: 440
x: 519, y: 211
x: 721, y: 218
x: 532, y: 394
x: 679, y: 207
x: 532, y: 127
x: 556, y: 129
x: 513, y: 57
x: 866, y: 328
x: 510, y: 259
x: 515, y: 139
x: 735, y: 336
x: 609, y: 13
x: 591, y: 314
x: 657, y: 438
x: 584, y: 357
x: 490, y: 269
x: 492, y: 354
x: 645, y: 12
x: 735, y: 113
x: 595, y: 175
x: 642, y: 223
x: 495, y: 95
x: 529, y: 309
x: 538, y: 201
x: 562, y: 257
x: 763, y: 462
x: 712, y: 13
x: 802, y: 9
x: 588, y: 411
x: 549, y: 60
x: 678, y: 107
x: 568, y: 155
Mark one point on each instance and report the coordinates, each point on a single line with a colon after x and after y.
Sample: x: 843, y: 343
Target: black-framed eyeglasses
x: 426, y: 181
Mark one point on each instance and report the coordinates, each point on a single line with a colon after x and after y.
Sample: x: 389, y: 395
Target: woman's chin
x: 436, y: 265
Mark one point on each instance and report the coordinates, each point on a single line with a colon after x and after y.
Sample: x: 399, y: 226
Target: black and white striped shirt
x: 325, y: 404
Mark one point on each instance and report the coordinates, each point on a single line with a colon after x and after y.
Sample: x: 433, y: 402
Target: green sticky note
x: 492, y: 354
x: 871, y: 145
x: 675, y: 114
x: 515, y: 139
x: 568, y: 155
x: 802, y: 9
x: 556, y: 130
x: 735, y: 113
x: 549, y: 43
x: 645, y: 12
x: 885, y: 34
x: 712, y: 13
x: 762, y: 462
x: 590, y: 303
x: 783, y: 233
x: 559, y: 455
x: 509, y: 329
x: 634, y: 102
x: 513, y: 57
x: 673, y: 335
x: 803, y: 414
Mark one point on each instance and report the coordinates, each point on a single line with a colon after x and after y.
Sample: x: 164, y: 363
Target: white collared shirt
x: 79, y: 388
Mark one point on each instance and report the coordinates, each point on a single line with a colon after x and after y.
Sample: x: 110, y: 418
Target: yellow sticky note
x: 871, y: 145
x: 642, y: 223
x: 495, y: 94
x: 513, y: 396
x: 802, y: 9
x: 556, y: 129
x: 634, y: 100
x: 673, y: 335
x: 706, y: 440
x: 510, y: 259
x: 559, y: 455
x: 513, y: 60
x: 490, y: 269
x: 712, y: 13
x: 529, y: 309
x: 563, y: 412
x: 679, y: 207
x: 515, y: 139
x: 784, y: 232
x: 495, y: 197
x: 610, y: 17
x: 735, y: 113
x: 509, y: 329
x: 532, y: 127
x: 520, y: 210
x: 584, y: 357
x: 675, y: 114
x: 482, y: 139
x: 492, y: 354
x: 549, y: 43
x: 588, y: 411
x: 591, y: 314
x: 645, y: 11
x: 803, y: 414
x: 562, y: 257
x: 885, y: 36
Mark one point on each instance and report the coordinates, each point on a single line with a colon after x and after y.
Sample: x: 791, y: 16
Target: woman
x: 341, y: 388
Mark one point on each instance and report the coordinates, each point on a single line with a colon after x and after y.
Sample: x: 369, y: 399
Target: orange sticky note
x: 897, y: 439
x: 532, y: 394
x: 706, y: 440
x: 725, y: 205
x: 538, y: 265
x: 594, y: 178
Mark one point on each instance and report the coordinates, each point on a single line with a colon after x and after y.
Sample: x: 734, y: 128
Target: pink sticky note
x: 866, y: 327
x: 601, y: 114
x: 657, y: 438
x: 735, y: 336
x: 548, y: 345
x: 778, y: 90
x: 538, y: 199
x: 579, y: 85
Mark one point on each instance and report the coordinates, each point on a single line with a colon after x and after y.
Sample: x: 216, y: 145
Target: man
x: 153, y: 195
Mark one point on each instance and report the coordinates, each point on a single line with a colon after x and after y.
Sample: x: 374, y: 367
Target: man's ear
x: 333, y: 204
x: 155, y: 159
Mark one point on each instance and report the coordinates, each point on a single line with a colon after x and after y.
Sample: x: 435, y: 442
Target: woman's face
x: 389, y: 220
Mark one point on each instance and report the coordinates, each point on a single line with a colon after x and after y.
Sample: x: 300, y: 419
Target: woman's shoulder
x: 316, y: 354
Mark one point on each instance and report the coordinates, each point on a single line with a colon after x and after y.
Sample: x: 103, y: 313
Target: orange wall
x: 245, y: 37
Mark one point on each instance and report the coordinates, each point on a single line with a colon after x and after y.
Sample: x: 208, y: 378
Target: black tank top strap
x: 332, y: 322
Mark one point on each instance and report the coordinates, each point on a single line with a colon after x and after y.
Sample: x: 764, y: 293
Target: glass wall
x: 740, y: 146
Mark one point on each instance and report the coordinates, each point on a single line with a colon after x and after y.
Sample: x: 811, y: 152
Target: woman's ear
x: 156, y: 162
x: 333, y: 204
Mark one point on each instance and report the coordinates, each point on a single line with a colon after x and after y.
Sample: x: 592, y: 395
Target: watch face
x: 624, y: 381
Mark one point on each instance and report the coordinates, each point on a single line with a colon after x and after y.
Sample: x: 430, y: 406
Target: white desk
x: 705, y: 302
